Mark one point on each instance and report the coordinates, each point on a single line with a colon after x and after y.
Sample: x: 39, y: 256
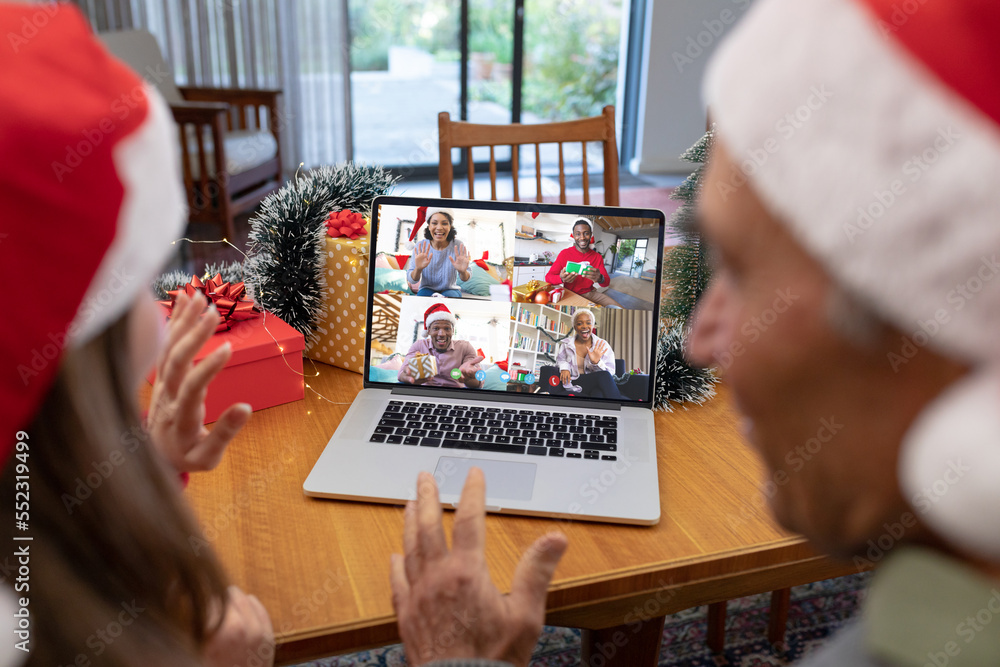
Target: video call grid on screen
x: 520, y: 242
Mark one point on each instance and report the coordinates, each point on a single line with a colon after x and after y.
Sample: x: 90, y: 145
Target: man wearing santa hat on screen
x: 457, y: 361
x: 854, y: 182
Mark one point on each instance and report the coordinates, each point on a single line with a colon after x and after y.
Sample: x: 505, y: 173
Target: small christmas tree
x: 685, y: 276
x: 685, y: 267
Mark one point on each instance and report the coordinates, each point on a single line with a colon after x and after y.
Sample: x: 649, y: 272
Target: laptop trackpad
x: 504, y: 479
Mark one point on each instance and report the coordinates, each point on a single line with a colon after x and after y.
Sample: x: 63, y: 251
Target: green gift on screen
x: 577, y: 267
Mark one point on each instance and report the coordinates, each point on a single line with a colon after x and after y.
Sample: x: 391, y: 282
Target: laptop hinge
x: 510, y: 397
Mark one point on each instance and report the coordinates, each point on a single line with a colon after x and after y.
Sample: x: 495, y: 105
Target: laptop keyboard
x: 507, y: 431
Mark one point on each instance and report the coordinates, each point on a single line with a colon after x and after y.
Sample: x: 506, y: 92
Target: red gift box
x: 264, y: 370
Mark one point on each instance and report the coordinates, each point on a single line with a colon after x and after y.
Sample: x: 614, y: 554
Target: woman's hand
x: 461, y: 262
x: 245, y: 637
x: 596, y: 351
x: 177, y: 409
x: 422, y: 256
x: 445, y: 601
x: 565, y: 377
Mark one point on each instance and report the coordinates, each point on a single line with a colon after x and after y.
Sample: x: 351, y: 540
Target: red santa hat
x: 436, y: 313
x: 90, y: 197
x: 425, y: 213
x: 872, y: 129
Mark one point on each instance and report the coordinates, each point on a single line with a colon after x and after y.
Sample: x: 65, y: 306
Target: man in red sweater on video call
x: 582, y: 283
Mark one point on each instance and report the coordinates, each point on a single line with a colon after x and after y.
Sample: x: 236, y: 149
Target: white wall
x: 680, y: 37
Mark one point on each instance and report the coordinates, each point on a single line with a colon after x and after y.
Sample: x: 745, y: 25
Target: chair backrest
x: 460, y: 134
x: 139, y: 50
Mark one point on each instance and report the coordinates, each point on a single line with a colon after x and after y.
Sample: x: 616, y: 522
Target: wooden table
x: 573, y: 299
x: 569, y: 298
x: 321, y: 567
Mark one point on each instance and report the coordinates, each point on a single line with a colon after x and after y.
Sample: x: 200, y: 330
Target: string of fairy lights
x: 280, y: 347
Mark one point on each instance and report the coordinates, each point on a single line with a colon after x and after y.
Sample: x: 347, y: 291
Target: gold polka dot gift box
x: 340, y: 335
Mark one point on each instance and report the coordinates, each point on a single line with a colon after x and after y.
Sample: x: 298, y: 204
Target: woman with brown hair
x: 99, y: 567
x: 105, y: 563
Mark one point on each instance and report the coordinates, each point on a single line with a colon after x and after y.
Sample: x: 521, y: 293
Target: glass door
x: 405, y: 68
x: 486, y: 61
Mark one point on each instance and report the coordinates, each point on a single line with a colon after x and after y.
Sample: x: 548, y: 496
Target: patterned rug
x: 817, y: 610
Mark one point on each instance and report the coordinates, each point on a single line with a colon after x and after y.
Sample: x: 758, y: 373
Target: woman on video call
x: 440, y: 259
x: 586, y: 363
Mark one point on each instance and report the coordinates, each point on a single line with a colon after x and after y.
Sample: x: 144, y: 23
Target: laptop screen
x: 482, y: 296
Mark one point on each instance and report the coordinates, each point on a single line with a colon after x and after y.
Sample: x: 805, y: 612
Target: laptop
x: 489, y: 344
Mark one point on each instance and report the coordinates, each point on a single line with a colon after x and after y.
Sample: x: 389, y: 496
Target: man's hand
x: 445, y: 601
x: 592, y: 274
x: 469, y: 370
x: 245, y: 637
x: 596, y: 351
x: 408, y: 378
x: 177, y: 408
x: 566, y: 276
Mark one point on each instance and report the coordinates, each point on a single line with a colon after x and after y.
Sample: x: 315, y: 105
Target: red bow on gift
x: 482, y: 262
x: 348, y: 224
x: 229, y: 298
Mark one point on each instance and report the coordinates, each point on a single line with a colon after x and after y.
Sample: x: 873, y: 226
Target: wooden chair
x: 460, y: 134
x: 229, y: 138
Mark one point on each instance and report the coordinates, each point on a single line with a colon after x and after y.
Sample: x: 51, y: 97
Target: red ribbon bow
x: 347, y: 224
x: 229, y: 299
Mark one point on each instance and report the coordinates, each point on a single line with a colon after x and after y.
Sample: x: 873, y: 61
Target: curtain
x: 627, y: 332
x: 299, y: 46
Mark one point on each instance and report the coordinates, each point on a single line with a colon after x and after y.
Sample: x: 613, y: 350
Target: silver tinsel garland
x: 284, y: 270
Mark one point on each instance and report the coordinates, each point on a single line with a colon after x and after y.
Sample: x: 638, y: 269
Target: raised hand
x: 469, y: 370
x: 245, y: 636
x: 460, y: 260
x: 177, y: 408
x: 446, y: 604
x: 596, y: 351
x: 422, y: 256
